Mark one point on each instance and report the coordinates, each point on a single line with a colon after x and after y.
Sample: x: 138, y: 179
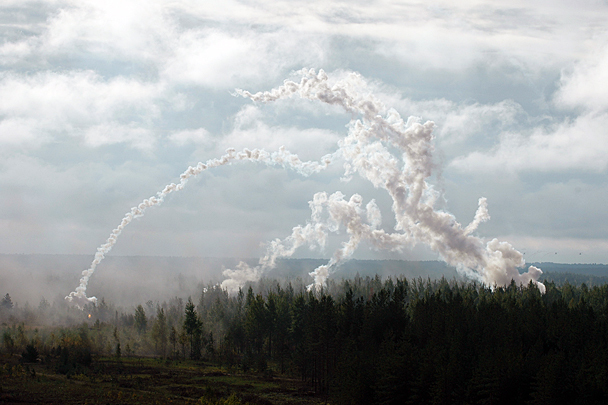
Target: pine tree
x: 159, y: 332
x: 173, y: 340
x: 141, y: 322
x: 7, y: 302
x: 193, y: 328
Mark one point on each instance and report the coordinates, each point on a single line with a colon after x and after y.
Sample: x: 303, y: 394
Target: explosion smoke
x: 282, y: 157
x: 365, y: 151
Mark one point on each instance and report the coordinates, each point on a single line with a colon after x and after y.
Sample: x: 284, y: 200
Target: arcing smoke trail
x: 282, y: 157
x: 365, y: 151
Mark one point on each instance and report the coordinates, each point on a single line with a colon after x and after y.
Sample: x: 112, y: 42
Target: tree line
x: 368, y: 340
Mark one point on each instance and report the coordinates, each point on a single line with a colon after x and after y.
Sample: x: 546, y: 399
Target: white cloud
x: 213, y: 58
x: 580, y: 143
x: 251, y: 132
x: 93, y: 73
x: 577, y: 145
x: 464, y: 120
x: 111, y: 133
x: 218, y: 59
x: 41, y: 106
x: 12, y: 52
x: 50, y: 208
x: 211, y: 45
x: 586, y: 85
x: 21, y: 131
x: 533, y: 37
x: 457, y: 122
x: 199, y: 136
x: 129, y: 30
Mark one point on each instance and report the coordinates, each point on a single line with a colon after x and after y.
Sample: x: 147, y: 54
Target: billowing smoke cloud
x: 365, y: 151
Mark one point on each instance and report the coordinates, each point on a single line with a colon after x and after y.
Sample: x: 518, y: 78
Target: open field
x: 145, y: 381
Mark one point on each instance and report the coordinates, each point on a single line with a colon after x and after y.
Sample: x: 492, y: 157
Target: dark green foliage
x: 30, y: 355
x: 74, y: 353
x: 160, y: 332
x: 416, y: 341
x: 193, y: 328
x: 8, y: 341
x: 73, y: 358
x: 173, y: 341
x: 367, y: 340
x: 141, y: 322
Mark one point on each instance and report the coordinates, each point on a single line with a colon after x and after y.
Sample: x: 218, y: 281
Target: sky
x: 102, y: 104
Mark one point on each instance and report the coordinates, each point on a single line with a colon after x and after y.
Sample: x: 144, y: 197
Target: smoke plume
x: 366, y: 151
x: 281, y: 157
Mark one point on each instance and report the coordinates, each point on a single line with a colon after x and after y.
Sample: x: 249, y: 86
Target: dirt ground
x: 144, y: 381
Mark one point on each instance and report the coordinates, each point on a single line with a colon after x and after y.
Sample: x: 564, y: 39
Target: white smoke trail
x: 482, y: 215
x: 281, y: 157
x: 365, y: 151
x: 328, y: 213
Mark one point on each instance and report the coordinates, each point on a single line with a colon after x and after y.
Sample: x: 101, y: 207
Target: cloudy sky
x: 103, y: 103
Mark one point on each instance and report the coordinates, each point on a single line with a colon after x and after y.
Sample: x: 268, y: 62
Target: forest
x: 364, y: 340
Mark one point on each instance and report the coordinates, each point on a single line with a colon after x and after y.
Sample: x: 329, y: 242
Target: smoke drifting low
x: 365, y: 151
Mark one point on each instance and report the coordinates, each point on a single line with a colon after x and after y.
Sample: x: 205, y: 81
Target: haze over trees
x: 359, y: 341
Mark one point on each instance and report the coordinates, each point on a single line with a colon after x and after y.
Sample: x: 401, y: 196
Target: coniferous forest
x: 359, y: 341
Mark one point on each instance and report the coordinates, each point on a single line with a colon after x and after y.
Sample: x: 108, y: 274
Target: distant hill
x: 293, y: 268
x: 578, y: 273
x: 574, y: 279
x: 598, y: 270
x: 131, y: 280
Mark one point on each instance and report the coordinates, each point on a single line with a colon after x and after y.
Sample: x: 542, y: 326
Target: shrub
x: 30, y: 355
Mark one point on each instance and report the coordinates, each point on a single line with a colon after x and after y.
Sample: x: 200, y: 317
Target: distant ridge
x: 131, y: 280
x: 592, y: 269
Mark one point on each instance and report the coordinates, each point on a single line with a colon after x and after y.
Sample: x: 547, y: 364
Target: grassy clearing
x: 145, y: 381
